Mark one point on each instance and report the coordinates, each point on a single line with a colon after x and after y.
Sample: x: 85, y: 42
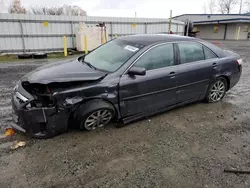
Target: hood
x: 66, y: 71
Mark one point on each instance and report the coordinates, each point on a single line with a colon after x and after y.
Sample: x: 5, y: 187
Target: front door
x: 195, y: 72
x: 153, y: 91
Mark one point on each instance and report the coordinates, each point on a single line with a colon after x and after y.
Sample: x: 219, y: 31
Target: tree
x: 226, y: 6
x: 62, y: 10
x: 247, y: 7
x: 204, y: 8
x: 17, y: 8
x: 42, y: 10
x: 38, y: 10
x: 74, y: 10
x: 211, y: 6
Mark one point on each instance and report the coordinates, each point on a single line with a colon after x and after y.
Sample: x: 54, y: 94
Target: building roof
x: 246, y: 14
x: 215, y: 18
x: 235, y: 20
x: 147, y: 39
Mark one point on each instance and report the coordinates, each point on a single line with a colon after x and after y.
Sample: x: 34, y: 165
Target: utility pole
x: 241, y: 2
x: 170, y: 22
x: 187, y: 32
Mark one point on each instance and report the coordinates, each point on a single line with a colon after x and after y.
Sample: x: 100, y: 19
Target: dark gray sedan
x: 125, y: 79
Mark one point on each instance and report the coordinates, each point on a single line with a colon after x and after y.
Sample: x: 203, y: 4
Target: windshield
x: 109, y: 57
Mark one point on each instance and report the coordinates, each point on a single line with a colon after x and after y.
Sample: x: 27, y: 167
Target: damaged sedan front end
x: 40, y: 101
x: 37, y: 114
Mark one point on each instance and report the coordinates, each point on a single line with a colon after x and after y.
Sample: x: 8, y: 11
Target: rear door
x: 155, y: 90
x: 195, y: 71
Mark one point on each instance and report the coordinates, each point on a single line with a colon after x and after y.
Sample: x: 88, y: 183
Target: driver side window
x: 158, y: 57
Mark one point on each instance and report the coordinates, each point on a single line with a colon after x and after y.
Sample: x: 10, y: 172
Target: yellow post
x: 103, y: 38
x: 65, y: 46
x: 116, y: 36
x: 238, y: 33
x: 86, y: 44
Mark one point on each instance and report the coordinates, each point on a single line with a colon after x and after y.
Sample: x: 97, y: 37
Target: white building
x: 220, y: 26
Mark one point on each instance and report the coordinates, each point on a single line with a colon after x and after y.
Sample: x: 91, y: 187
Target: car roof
x: 148, y: 39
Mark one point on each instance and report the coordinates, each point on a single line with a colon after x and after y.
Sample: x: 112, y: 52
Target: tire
x: 216, y: 90
x: 94, y: 114
x: 40, y: 56
x: 24, y: 56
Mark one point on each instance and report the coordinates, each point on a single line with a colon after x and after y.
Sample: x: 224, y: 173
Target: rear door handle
x: 214, y: 65
x: 172, y: 74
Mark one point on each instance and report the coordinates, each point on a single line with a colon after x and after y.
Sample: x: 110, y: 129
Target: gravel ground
x: 185, y: 147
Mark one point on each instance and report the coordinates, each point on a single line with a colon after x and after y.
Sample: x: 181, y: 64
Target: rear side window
x: 209, y: 54
x: 190, y: 52
x: 158, y: 57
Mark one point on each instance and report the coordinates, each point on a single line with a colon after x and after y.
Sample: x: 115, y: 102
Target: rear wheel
x: 216, y: 90
x: 95, y: 114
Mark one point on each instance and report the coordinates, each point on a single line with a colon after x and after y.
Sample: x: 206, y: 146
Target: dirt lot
x: 186, y: 147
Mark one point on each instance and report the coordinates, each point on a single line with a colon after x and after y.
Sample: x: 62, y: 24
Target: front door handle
x: 214, y: 65
x: 172, y: 74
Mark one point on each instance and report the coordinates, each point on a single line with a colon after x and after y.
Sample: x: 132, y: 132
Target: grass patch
x: 8, y: 58
x: 14, y: 57
x: 56, y: 55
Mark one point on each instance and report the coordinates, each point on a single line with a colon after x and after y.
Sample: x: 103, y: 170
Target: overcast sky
x: 127, y: 8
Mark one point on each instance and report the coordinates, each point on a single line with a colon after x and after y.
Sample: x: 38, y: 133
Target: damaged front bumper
x: 43, y: 122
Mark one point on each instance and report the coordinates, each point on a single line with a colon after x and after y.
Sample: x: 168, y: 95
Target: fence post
x: 65, y: 46
x: 72, y: 34
x: 146, y: 28
x: 23, y: 42
x: 111, y: 30
x: 238, y: 34
x: 86, y: 44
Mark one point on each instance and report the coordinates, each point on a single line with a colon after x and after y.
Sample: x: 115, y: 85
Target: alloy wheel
x: 98, y: 118
x: 217, y: 91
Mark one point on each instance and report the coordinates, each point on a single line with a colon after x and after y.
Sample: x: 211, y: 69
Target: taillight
x: 239, y: 61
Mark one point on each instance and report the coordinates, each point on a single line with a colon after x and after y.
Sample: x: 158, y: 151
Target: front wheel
x: 216, y: 90
x: 98, y: 118
x: 94, y: 114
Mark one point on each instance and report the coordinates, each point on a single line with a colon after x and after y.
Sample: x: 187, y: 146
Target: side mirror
x: 137, y: 71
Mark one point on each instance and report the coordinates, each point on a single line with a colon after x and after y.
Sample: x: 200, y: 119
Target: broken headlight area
x: 42, y: 95
x: 36, y: 89
x: 41, y: 101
